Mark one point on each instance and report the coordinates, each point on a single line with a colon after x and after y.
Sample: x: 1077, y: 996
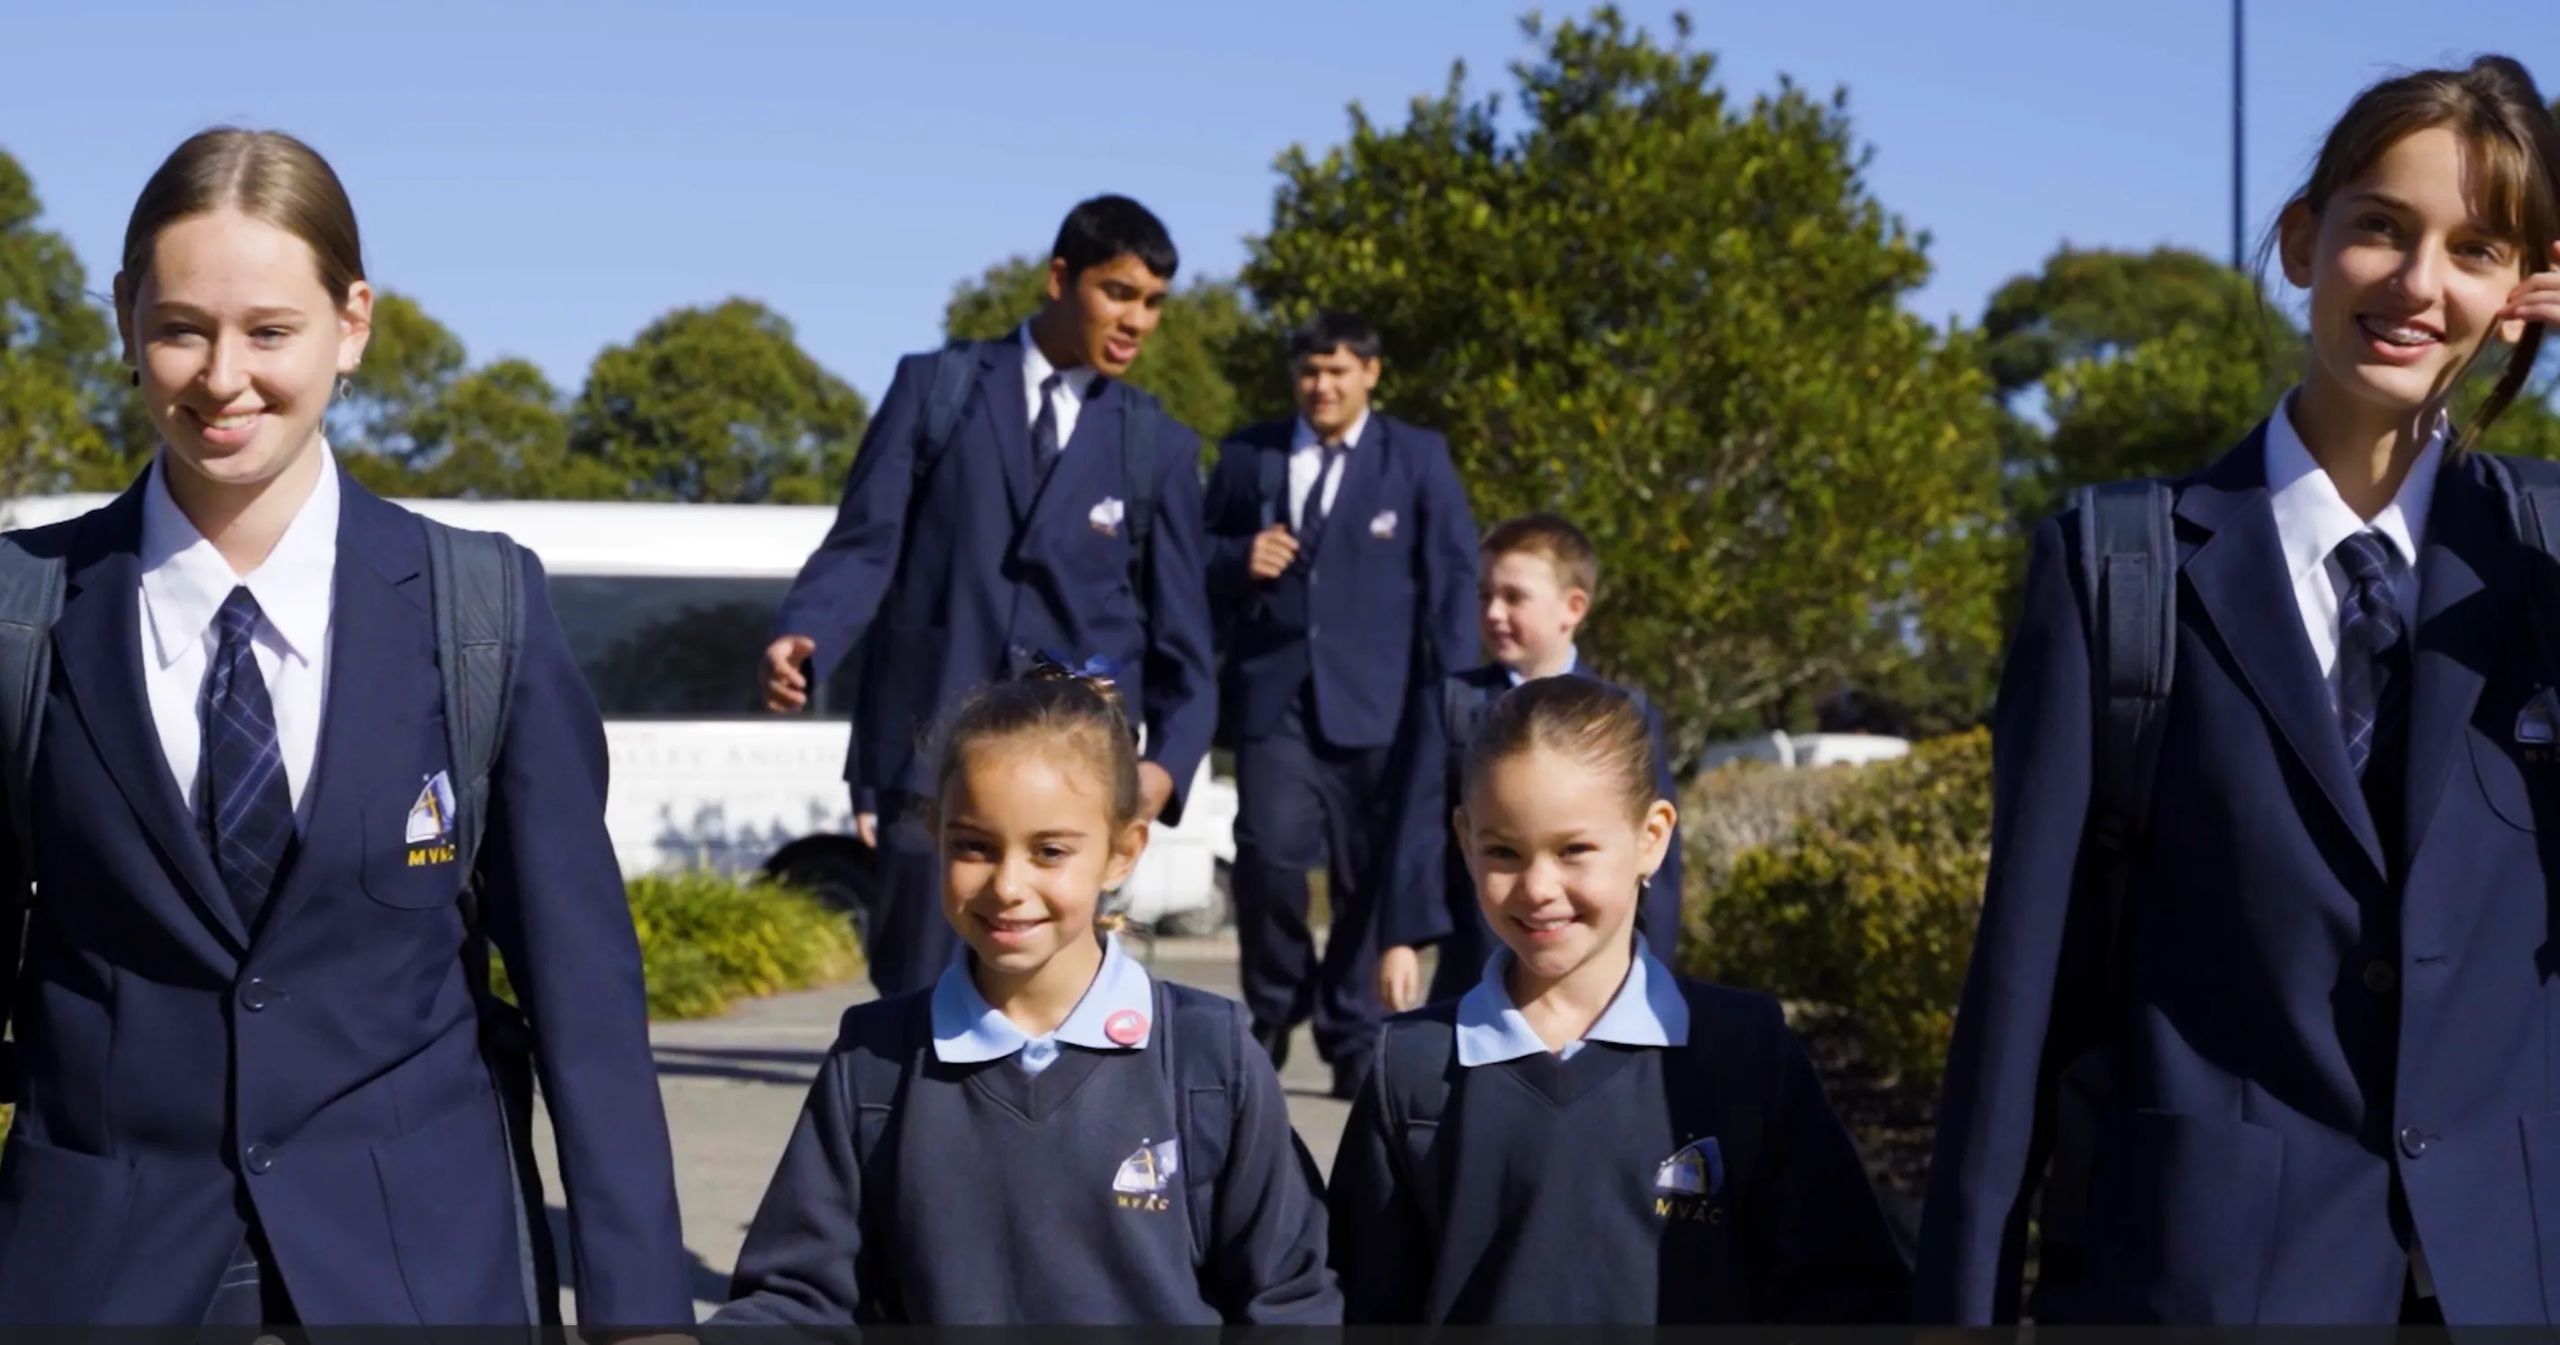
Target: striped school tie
x: 244, y: 804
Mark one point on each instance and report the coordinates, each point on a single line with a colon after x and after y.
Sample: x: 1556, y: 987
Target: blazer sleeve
x: 1382, y: 1247
x: 1181, y: 685
x: 797, y: 1265
x: 1413, y: 882
x: 842, y: 583
x: 1233, y: 512
x: 1832, y: 1256
x: 1448, y: 559
x: 2010, y: 1043
x: 553, y: 903
x: 1268, y: 1265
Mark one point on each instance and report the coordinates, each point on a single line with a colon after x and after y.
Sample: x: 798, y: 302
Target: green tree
x: 1185, y: 360
x: 717, y: 404
x: 498, y: 433
x: 65, y: 412
x: 1674, y: 318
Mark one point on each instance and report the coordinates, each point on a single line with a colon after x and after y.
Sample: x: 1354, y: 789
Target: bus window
x: 676, y: 647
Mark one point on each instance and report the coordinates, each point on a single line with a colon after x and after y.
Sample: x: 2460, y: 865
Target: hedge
x: 1865, y: 906
x: 707, y: 942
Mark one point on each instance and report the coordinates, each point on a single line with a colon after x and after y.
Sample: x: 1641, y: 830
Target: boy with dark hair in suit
x: 1541, y: 574
x: 1341, y: 549
x: 1011, y: 498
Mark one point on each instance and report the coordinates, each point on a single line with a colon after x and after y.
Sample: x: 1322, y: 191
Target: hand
x: 1400, y: 978
x: 2538, y: 298
x: 1273, y: 551
x: 867, y: 826
x: 786, y: 687
x: 1155, y: 789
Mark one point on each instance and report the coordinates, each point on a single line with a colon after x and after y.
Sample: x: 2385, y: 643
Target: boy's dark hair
x: 1329, y: 331
x: 1105, y: 227
x: 1553, y: 536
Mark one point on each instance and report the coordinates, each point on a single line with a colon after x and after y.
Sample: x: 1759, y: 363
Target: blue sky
x: 546, y: 178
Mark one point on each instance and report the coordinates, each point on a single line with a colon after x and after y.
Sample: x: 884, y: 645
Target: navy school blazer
x: 1425, y: 894
x: 952, y: 573
x: 325, y: 1067
x: 2315, y: 1054
x: 1393, y: 584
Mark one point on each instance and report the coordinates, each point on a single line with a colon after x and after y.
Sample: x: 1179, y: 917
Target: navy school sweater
x: 997, y: 1197
x: 1710, y: 1183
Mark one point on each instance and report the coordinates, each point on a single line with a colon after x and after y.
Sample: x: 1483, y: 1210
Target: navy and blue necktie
x: 244, y: 803
x: 2373, y: 648
x: 1045, y: 444
x: 1313, y: 513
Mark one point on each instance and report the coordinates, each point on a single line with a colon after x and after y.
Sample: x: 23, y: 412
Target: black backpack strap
x: 476, y: 585
x: 1725, y: 1077
x: 2532, y: 490
x: 955, y: 376
x: 879, y: 1041
x: 1141, y: 429
x: 1417, y: 1071
x: 1203, y: 1043
x: 2129, y: 562
x: 30, y: 600
x: 1271, y: 483
x: 1462, y: 708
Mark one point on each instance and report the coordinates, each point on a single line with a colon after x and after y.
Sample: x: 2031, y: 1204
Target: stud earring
x: 135, y: 376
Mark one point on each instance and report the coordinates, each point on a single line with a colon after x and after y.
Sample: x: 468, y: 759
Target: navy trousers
x: 908, y: 942
x: 1304, y: 804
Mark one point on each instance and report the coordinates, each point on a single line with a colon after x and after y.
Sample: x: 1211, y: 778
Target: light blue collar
x: 1648, y: 1010
x: 968, y: 1030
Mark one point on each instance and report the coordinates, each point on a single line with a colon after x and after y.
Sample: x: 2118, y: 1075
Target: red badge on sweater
x: 1127, y: 1027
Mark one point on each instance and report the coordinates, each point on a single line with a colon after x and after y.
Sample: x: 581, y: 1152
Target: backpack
x: 1199, y: 1041
x: 476, y: 580
x: 955, y: 378
x: 1418, y: 1070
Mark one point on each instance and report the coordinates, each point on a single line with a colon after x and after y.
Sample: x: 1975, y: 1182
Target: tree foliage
x: 718, y: 404
x: 66, y: 422
x: 1185, y: 361
x: 1674, y: 318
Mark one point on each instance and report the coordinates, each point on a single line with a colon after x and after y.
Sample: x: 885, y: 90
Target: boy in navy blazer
x: 1343, y: 553
x: 1013, y: 536
x: 1540, y: 574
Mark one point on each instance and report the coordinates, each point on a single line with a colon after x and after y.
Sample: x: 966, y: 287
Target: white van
x: 666, y: 606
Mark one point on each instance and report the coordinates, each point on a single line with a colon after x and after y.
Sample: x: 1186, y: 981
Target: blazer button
x: 2380, y: 976
x: 257, y: 995
x: 259, y: 1157
x: 2413, y: 1142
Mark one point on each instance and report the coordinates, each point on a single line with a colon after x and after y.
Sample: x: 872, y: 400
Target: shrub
x: 1746, y: 805
x: 1866, y: 907
x: 708, y: 941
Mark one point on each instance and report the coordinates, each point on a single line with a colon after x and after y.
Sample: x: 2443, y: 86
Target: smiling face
x: 1109, y: 308
x: 1559, y: 859
x: 2406, y: 279
x: 1334, y: 388
x: 1028, y: 848
x: 238, y: 344
x: 1526, y: 612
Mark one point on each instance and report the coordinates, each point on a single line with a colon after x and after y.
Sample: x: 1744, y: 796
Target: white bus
x: 666, y: 606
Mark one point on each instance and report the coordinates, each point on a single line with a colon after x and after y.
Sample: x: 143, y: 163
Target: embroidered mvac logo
x: 1146, y: 1175
x: 1686, y: 1184
x: 430, y: 835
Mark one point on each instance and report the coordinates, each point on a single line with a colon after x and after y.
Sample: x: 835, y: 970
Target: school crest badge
x: 1383, y: 527
x: 1686, y: 1184
x: 430, y: 833
x: 1146, y: 1175
x: 1107, y: 516
x: 2538, y: 723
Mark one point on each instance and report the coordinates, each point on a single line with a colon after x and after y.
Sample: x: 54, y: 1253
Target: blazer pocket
x: 408, y: 875
x: 2181, y: 1213
x: 2508, y: 783
x: 62, y: 1219
x: 453, y: 1217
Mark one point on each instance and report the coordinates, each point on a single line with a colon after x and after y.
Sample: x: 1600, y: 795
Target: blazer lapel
x: 2465, y: 588
x: 99, y: 642
x: 2238, y: 576
x: 377, y: 612
x: 1363, y: 476
x: 1008, y: 414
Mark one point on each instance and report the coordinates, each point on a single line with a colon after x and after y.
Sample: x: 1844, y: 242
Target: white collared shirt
x: 184, y: 583
x: 1076, y: 389
x: 2312, y: 519
x: 968, y: 1030
x: 1306, y: 463
x: 1572, y: 664
x: 1648, y: 1010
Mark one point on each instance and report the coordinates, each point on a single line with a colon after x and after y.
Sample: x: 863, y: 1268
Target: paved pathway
x: 733, y: 1086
